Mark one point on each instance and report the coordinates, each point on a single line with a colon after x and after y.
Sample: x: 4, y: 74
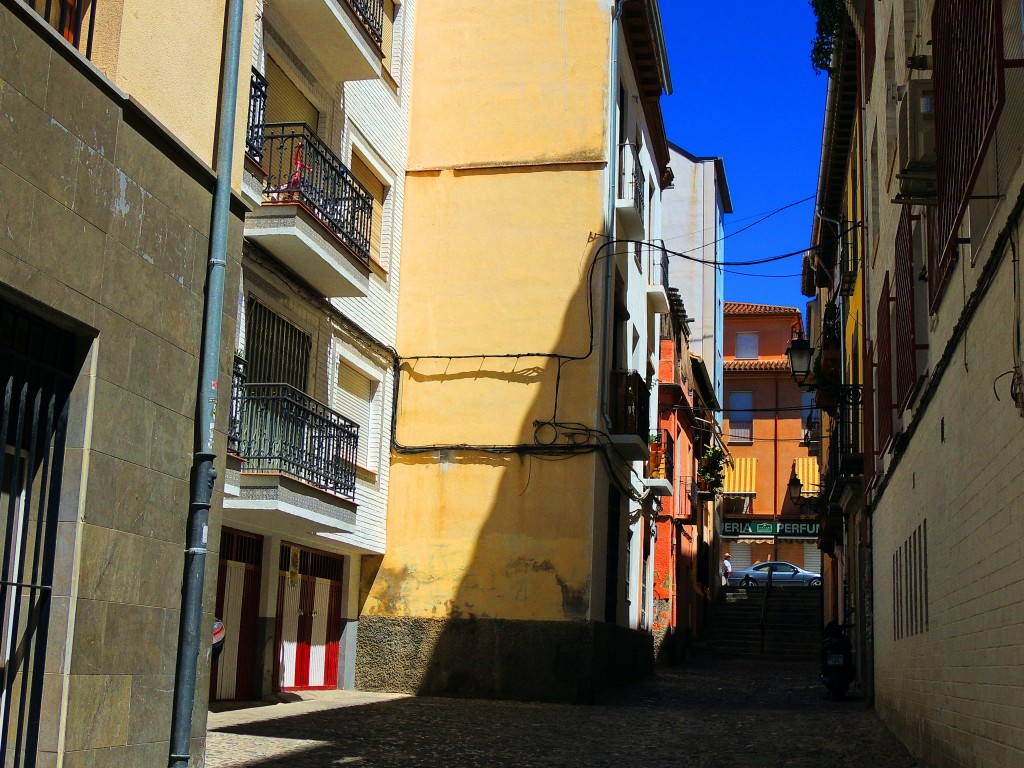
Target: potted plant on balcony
x: 657, y: 453
x: 711, y: 472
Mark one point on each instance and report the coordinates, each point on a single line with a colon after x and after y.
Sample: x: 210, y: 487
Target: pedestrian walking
x: 726, y: 569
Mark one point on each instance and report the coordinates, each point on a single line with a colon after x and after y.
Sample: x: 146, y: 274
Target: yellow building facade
x: 519, y: 546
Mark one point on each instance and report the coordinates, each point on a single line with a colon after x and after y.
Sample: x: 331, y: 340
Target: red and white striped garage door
x: 238, y: 595
x: 309, y: 603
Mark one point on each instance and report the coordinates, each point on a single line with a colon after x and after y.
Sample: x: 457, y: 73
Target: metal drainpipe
x: 609, y: 214
x: 203, y: 473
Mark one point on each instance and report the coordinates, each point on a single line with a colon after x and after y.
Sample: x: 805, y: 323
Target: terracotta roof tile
x: 741, y: 308
x: 770, y: 364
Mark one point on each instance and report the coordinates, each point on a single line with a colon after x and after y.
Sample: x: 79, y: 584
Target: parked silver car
x: 783, y: 575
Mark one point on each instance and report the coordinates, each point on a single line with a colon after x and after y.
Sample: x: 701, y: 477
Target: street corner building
x: 914, y: 275
x: 107, y: 146
x: 519, y: 553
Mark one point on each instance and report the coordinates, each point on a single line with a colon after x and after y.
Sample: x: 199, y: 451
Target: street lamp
x: 800, y: 353
x: 796, y: 493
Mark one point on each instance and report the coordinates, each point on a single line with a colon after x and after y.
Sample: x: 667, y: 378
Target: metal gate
x: 238, y: 596
x: 309, y: 619
x: 36, y: 373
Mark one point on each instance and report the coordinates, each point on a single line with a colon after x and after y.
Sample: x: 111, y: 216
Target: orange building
x: 771, y: 430
x: 683, y: 571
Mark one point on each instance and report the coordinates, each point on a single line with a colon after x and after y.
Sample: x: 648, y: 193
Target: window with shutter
x: 357, y: 398
x: 378, y: 190
x: 285, y: 102
x: 387, y: 37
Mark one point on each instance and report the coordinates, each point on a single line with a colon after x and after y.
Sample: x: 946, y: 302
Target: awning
x: 741, y: 478
x: 810, y: 477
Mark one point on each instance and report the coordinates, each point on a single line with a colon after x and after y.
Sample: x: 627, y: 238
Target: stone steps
x: 794, y: 622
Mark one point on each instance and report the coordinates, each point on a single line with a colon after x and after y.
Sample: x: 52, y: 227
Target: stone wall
x: 574, y: 661
x: 104, y: 226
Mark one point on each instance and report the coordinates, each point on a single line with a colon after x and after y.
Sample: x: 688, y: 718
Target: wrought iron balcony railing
x: 845, y: 444
x: 631, y: 177
x: 371, y: 13
x: 302, y: 169
x: 279, y: 430
x: 631, y: 406
x: 239, y: 377
x: 257, y: 116
x: 662, y: 462
x: 659, y: 272
x: 70, y: 18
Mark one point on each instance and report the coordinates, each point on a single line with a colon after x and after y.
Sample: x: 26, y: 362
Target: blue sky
x: 744, y: 90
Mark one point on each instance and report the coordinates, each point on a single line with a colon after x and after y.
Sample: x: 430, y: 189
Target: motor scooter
x: 837, y: 668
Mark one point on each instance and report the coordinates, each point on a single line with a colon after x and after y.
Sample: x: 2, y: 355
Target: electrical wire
x: 753, y: 224
x: 763, y: 217
x: 755, y: 274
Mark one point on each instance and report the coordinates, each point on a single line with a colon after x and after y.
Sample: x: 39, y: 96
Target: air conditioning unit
x: 917, y: 145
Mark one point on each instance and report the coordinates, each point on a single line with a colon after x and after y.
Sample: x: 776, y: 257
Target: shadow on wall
x: 488, y: 587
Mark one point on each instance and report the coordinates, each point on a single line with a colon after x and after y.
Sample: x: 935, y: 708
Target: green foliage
x: 831, y: 15
x: 711, y: 469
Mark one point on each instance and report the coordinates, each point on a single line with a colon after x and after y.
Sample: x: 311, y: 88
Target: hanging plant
x: 711, y: 470
x: 830, y: 14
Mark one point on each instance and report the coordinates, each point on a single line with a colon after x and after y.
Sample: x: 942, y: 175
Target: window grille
x: 905, y: 350
x: 36, y: 373
x: 277, y: 352
x: 969, y: 94
x: 883, y: 348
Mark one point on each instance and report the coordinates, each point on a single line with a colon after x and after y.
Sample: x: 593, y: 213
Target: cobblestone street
x: 706, y: 714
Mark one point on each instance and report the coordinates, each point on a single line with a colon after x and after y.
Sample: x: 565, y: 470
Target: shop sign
x: 788, y: 528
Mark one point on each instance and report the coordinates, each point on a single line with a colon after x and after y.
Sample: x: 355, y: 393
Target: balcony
x: 343, y: 36
x: 630, y: 198
x: 657, y: 289
x: 631, y: 415
x: 845, y: 447
x: 315, y: 217
x: 74, y: 21
x: 298, y: 457
x: 661, y: 468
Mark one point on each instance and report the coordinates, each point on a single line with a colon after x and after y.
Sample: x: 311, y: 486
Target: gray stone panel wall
x: 573, y: 661
x: 104, y: 226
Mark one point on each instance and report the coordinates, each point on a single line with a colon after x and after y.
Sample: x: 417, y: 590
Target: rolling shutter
x: 285, y: 102
x: 353, y: 399
x: 378, y: 190
x: 387, y: 31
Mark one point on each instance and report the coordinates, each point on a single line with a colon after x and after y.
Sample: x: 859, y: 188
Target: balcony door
x: 309, y: 619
